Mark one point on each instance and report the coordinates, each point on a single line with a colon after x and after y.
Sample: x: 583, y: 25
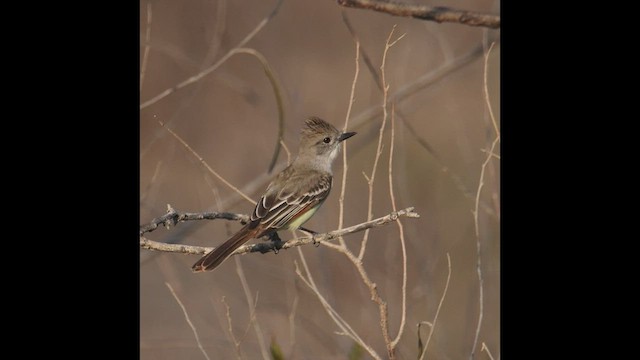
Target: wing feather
x: 278, y: 207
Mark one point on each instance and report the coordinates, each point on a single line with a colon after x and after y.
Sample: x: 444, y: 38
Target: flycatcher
x: 293, y: 196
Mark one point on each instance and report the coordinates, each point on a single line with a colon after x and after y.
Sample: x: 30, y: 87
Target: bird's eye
x: 327, y: 140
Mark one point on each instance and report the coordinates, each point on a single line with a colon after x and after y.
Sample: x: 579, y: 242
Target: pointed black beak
x: 345, y: 136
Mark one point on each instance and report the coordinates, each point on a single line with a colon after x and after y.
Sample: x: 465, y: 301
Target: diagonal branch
x: 186, y: 316
x: 213, y: 67
x: 431, y: 13
x: 265, y: 246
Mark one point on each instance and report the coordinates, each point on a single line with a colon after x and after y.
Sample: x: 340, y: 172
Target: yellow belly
x: 303, y: 218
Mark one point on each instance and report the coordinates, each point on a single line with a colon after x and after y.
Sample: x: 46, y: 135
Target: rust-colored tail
x: 222, y: 252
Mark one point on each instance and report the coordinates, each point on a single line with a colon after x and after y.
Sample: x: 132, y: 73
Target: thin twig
x: 475, y: 212
x: 236, y: 343
x: 375, y: 297
x: 457, y: 180
x: 147, y: 189
x: 147, y: 45
x: 347, y: 330
x: 438, y: 13
x: 286, y: 150
x: 371, y: 178
x: 186, y: 316
x: 247, y: 294
x: 252, y: 317
x: 292, y: 324
x: 270, y: 246
x: 435, y: 318
x: 345, y: 166
x: 395, y: 341
x: 213, y: 67
x: 206, y: 165
x: 218, y: 29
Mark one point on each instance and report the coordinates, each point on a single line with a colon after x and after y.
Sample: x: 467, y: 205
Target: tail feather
x: 214, y: 258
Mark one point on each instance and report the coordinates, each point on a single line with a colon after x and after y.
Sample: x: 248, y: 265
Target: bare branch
x: 395, y: 341
x: 186, y: 316
x: 270, y: 246
x: 438, y: 13
x: 435, y: 318
x: 172, y: 218
x: 236, y: 343
x: 147, y: 45
x: 213, y: 67
x: 371, y: 178
x: 347, y: 330
x: 292, y: 324
x: 475, y: 212
x: 152, y: 182
x: 345, y: 166
x: 251, y: 302
x: 287, y: 151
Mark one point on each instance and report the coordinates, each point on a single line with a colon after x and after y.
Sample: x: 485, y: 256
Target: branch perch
x: 172, y: 218
x: 432, y: 13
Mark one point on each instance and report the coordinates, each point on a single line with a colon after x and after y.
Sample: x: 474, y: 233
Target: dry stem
x: 345, y: 166
x: 396, y: 340
x: 475, y: 212
x: 186, y: 316
x: 147, y: 45
x: 250, y: 301
x: 435, y: 318
x: 347, y: 330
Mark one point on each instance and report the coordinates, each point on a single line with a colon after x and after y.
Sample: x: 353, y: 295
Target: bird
x: 293, y: 196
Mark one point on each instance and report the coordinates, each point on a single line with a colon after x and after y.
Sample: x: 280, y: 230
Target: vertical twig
x: 286, y: 150
x: 395, y: 341
x: 477, y: 203
x: 218, y: 30
x: 435, y: 318
x: 236, y: 343
x: 247, y: 294
x: 292, y: 325
x: 147, y: 45
x: 252, y: 318
x: 371, y: 179
x: 145, y: 193
x: 344, y: 145
x: 346, y: 329
x: 186, y: 316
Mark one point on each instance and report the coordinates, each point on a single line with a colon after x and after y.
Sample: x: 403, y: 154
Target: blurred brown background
x: 229, y: 117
